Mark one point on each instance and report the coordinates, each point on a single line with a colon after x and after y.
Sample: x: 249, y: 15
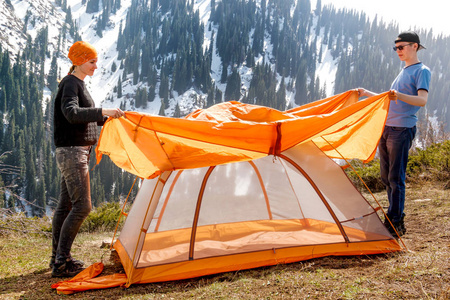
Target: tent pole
x: 163, y: 209
x: 143, y: 230
x: 261, y: 183
x: 122, y: 213
x: 321, y: 196
x: 197, y: 212
x: 376, y: 200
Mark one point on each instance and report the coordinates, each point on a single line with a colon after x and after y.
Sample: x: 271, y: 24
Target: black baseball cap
x: 409, y: 36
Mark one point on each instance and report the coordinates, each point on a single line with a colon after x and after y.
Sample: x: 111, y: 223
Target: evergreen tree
x: 119, y: 88
x: 210, y: 96
x: 3, y: 106
x: 281, y: 96
x: 151, y: 94
x: 233, y: 90
x: 34, y: 178
x: 301, y: 91
x: 218, y: 96
x: 161, y: 46
x: 224, y: 77
x: 164, y: 89
x: 162, y: 109
x: 177, y: 113
x: 135, y: 75
x: 2, y: 194
x: 92, y: 6
x: 52, y: 79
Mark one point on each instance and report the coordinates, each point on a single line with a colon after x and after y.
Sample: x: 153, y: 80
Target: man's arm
x: 363, y: 92
x: 419, y: 100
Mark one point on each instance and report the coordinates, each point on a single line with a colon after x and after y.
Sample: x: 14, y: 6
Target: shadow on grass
x: 37, y: 285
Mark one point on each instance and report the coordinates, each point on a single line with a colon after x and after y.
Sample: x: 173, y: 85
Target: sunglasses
x: 401, y: 47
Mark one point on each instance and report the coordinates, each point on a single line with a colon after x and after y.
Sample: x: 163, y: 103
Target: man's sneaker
x: 75, y: 261
x: 401, y: 225
x: 66, y: 269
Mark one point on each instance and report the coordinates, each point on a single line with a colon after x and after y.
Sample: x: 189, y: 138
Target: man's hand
x: 393, y: 96
x: 363, y: 92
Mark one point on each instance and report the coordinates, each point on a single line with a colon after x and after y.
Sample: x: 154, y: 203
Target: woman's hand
x: 113, y: 112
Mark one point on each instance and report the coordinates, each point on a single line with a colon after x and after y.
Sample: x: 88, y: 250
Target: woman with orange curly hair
x: 75, y: 123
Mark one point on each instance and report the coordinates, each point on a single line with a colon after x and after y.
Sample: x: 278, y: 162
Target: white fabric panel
x: 130, y: 232
x: 233, y: 194
x: 344, y: 199
x: 180, y: 207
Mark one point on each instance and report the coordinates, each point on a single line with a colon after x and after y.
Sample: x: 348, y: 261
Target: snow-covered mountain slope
x: 11, y: 26
x: 21, y: 17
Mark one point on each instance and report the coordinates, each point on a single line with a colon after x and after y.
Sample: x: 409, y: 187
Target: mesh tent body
x: 240, y: 186
x: 271, y: 210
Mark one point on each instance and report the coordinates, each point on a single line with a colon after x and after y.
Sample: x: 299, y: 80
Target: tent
x: 239, y: 186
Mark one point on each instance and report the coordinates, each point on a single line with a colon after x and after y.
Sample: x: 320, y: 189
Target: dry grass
x: 421, y: 273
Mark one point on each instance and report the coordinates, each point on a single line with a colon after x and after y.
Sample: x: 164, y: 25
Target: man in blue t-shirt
x: 409, y: 92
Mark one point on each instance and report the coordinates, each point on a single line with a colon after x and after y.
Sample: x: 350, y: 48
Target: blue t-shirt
x: 409, y: 81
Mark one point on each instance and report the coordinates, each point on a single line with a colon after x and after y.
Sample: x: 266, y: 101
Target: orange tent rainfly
x: 240, y: 186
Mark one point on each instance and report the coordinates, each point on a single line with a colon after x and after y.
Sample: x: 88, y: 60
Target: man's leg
x: 384, y: 162
x: 398, y: 143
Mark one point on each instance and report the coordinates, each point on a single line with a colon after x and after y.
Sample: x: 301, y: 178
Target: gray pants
x: 74, y: 200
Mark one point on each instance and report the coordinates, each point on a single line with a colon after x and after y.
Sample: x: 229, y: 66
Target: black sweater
x: 75, y: 117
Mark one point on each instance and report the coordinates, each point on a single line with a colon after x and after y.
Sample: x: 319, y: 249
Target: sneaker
x: 66, y: 269
x: 77, y: 262
x: 399, y: 227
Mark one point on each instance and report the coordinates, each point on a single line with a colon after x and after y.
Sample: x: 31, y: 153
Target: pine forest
x: 162, y: 51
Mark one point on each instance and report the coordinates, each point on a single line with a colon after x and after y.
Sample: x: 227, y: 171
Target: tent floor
x: 244, y: 237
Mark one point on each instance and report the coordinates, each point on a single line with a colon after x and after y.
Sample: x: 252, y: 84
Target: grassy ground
x: 422, y: 272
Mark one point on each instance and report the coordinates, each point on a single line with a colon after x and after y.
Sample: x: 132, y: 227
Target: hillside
x: 174, y: 56
x: 333, y: 49
x: 423, y: 272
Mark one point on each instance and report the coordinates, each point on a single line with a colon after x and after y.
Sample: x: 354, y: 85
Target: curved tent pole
x: 266, y: 197
x: 373, y: 196
x: 143, y: 230
x: 197, y: 212
x: 163, y: 209
x: 319, y: 193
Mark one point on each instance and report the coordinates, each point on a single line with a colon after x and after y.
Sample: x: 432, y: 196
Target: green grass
x: 423, y: 272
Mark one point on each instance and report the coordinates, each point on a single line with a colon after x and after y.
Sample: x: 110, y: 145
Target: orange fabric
x: 85, y: 281
x: 81, y: 52
x: 331, y: 243
x: 232, y: 231
x: 147, y: 145
x: 171, y: 246
x: 213, y: 265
